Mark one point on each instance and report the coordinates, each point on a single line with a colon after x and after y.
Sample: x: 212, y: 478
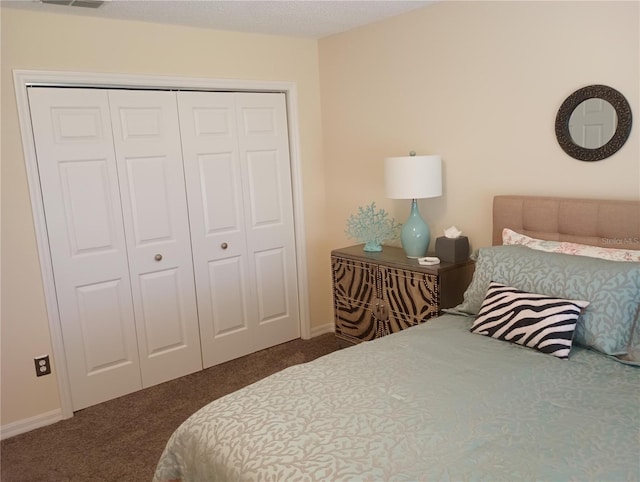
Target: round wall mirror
x: 593, y: 123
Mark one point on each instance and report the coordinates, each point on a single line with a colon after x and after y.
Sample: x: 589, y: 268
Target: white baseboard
x: 321, y: 330
x: 28, y: 424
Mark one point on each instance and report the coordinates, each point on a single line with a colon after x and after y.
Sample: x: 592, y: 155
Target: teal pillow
x: 611, y: 287
x: 633, y: 352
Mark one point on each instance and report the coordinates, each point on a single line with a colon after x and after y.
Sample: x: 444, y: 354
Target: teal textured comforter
x: 433, y: 402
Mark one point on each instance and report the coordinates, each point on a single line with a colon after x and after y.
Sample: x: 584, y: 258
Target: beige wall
x: 71, y: 43
x: 480, y: 84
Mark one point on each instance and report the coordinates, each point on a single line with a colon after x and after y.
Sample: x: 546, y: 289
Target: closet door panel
x: 216, y: 209
x: 103, y: 328
x: 266, y: 173
x: 149, y: 160
x: 228, y: 296
x: 149, y: 192
x: 163, y: 316
x: 220, y: 196
x: 79, y: 183
x: 266, y: 208
x: 220, y: 207
x: 272, y: 285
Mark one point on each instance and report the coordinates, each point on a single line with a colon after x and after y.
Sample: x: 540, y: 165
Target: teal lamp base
x: 415, y: 235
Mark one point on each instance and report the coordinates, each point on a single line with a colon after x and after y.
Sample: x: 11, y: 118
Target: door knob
x: 224, y: 245
x: 158, y: 257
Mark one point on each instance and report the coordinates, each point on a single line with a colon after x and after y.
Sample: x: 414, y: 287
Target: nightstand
x: 375, y: 294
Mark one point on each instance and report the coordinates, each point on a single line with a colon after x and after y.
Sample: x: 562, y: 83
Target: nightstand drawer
x: 412, y: 297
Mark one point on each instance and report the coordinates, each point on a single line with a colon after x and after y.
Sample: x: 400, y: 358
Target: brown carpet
x: 122, y: 439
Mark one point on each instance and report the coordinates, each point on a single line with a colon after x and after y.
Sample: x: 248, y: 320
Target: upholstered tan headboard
x: 605, y: 223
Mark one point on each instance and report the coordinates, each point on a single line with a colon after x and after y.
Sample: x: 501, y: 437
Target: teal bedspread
x: 433, y: 402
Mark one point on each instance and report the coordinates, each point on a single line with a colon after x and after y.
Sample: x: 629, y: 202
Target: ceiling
x: 295, y: 18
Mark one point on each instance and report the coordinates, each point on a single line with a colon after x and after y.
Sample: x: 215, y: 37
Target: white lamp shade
x: 413, y: 177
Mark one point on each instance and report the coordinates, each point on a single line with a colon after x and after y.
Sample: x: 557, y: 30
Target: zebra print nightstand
x: 375, y: 294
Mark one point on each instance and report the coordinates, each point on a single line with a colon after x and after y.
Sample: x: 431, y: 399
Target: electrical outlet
x: 43, y: 366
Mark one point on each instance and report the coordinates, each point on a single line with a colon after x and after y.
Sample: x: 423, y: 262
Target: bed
x: 457, y: 398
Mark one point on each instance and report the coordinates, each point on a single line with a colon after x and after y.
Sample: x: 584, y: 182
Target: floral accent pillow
x: 510, y: 237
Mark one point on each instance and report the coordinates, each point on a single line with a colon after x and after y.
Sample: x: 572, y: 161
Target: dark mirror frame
x: 623, y: 129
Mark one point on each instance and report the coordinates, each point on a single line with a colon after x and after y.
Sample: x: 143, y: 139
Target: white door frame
x: 26, y: 78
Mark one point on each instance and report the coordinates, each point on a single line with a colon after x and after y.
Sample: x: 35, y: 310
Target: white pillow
x: 511, y: 237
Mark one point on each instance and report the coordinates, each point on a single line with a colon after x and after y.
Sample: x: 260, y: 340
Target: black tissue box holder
x: 452, y: 250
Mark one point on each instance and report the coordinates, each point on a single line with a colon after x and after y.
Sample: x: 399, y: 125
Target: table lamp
x: 414, y: 177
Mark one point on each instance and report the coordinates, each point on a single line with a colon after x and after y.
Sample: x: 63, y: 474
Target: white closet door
x: 214, y: 189
x: 266, y: 172
x: 79, y: 183
x: 238, y: 181
x: 149, y: 160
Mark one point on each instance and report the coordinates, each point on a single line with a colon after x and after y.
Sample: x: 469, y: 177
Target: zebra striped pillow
x: 541, y: 322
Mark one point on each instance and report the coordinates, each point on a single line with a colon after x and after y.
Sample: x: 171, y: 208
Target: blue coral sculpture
x: 372, y: 227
